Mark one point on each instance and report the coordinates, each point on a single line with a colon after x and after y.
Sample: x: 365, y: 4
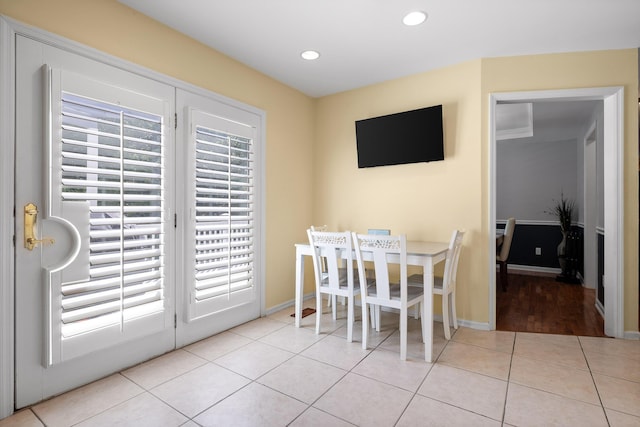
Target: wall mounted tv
x: 408, y: 137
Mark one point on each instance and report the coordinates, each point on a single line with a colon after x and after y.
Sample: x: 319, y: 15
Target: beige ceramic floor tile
x: 467, y: 390
x: 374, y: 338
x: 143, y: 410
x: 302, y: 378
x: 199, y: 389
x: 254, y: 360
x: 313, y: 417
x: 551, y: 349
x: 542, y: 375
x: 612, y: 346
x: 327, y: 324
x: 386, y: 366
x: 156, y: 371
x: 218, y: 345
x: 614, y: 365
x: 364, y: 402
x: 423, y: 411
x: 493, y: 340
x: 554, y: 339
x: 283, y: 315
x: 415, y: 346
x: 550, y: 383
x: 476, y: 359
x: 254, y: 405
x: 530, y: 407
x: 24, y: 418
x: 336, y: 352
x: 618, y: 394
x: 85, y: 402
x: 292, y: 339
x: 258, y: 328
x: 619, y: 419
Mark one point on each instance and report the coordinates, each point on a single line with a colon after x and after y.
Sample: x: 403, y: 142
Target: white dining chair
x: 324, y: 267
x: 374, y: 309
x: 446, y: 285
x: 384, y: 292
x: 329, y: 249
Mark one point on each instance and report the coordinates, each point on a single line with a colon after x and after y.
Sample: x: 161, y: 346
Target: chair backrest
x: 379, y: 231
x: 329, y: 249
x: 506, y: 241
x: 379, y: 248
x: 451, y: 262
x: 320, y: 228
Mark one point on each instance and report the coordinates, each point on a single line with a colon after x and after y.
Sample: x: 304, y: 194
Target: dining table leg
x: 299, y: 287
x: 428, y: 311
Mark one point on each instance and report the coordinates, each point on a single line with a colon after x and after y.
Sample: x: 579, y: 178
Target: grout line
x: 606, y: 417
x: 506, y: 392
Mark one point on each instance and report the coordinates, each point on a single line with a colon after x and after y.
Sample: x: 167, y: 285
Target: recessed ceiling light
x: 310, y: 55
x: 414, y: 18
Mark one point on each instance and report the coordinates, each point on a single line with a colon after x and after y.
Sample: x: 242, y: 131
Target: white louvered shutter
x: 107, y: 154
x: 220, y: 253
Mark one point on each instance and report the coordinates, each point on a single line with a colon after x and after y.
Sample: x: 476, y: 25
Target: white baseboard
x: 599, y: 307
x: 481, y: 326
x: 535, y: 270
x: 631, y: 335
x: 287, y: 304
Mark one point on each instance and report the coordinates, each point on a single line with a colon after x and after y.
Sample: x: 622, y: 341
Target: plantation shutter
x: 221, y: 254
x: 107, y: 177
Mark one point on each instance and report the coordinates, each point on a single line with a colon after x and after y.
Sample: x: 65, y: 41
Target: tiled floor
x: 268, y: 373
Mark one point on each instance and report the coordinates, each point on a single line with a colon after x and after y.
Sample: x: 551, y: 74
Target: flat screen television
x: 408, y: 137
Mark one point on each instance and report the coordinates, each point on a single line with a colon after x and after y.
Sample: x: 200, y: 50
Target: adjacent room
x: 550, y: 157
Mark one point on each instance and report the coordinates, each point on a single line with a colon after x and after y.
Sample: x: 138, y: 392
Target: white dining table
x: 422, y: 254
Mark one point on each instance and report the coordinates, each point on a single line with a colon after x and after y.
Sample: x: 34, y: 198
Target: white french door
x: 219, y: 207
x: 118, y: 257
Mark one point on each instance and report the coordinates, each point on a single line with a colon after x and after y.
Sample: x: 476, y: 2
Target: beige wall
x: 311, y: 169
x: 424, y: 200
x: 581, y: 70
x: 427, y: 201
x: 115, y: 29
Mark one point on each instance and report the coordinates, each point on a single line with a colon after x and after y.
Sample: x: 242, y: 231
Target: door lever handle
x: 30, y: 218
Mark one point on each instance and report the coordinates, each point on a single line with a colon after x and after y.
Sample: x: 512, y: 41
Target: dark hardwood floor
x: 540, y: 304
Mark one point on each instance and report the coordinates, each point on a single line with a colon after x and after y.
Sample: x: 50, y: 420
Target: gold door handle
x: 30, y: 217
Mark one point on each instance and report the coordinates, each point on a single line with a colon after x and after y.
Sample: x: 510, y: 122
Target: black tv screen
x: 408, y: 137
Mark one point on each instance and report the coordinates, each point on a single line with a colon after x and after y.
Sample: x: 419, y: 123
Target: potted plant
x: 563, y: 210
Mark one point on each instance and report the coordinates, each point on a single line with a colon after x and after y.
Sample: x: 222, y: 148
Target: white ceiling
x: 362, y: 42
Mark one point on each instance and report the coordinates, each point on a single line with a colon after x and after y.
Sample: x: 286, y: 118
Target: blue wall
x: 528, y: 237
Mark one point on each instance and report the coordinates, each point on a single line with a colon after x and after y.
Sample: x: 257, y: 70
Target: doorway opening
x: 611, y: 131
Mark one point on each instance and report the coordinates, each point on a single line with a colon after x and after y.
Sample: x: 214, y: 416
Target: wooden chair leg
x: 365, y: 325
x: 503, y: 275
x: 403, y: 334
x: 372, y: 309
x: 445, y: 317
x: 318, y: 311
x: 334, y: 307
x: 454, y: 315
x: 506, y: 276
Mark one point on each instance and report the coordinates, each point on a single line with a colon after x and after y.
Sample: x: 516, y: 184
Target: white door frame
x: 591, y: 204
x: 7, y: 86
x: 613, y: 98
